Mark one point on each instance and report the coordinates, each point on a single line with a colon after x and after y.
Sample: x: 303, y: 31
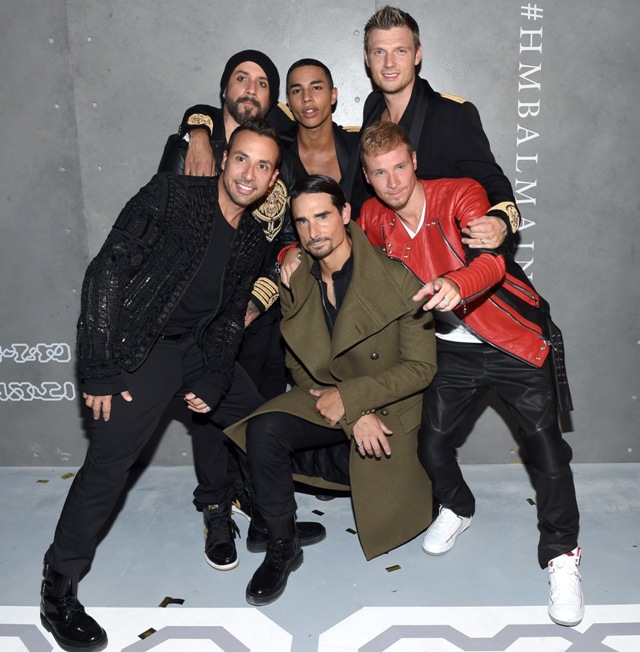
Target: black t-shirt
x: 202, y: 295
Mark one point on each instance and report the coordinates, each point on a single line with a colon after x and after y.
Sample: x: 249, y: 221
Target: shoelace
x: 568, y: 570
x: 221, y: 529
x: 445, y: 521
x: 70, y: 606
x: 277, y: 552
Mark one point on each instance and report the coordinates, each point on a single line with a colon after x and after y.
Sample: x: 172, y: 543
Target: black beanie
x: 264, y: 62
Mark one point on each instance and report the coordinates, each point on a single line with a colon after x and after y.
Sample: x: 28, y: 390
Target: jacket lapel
x: 304, y: 328
x: 373, y: 300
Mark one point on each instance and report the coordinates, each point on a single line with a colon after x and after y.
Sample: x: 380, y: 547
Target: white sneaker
x: 443, y: 532
x: 566, y: 604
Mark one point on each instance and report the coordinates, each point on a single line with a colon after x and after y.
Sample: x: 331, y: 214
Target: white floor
x: 486, y: 594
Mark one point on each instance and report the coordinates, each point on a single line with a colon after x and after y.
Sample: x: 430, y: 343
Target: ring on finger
x: 446, y: 302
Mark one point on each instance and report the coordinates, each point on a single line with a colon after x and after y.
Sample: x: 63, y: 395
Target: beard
x: 240, y: 111
x: 320, y: 253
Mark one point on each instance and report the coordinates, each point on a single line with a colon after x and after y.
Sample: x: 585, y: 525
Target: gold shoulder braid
x: 286, y: 110
x: 200, y: 119
x: 454, y: 98
x: 270, y: 214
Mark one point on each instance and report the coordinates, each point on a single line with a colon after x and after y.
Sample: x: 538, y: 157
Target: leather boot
x: 62, y: 614
x: 284, y: 555
x: 309, y: 532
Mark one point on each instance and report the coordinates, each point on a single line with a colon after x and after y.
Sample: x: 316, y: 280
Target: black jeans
x: 465, y: 373
x: 115, y: 445
x: 262, y: 354
x: 271, y: 439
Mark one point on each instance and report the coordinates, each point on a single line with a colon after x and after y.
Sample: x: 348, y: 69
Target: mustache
x: 315, y: 241
x: 250, y: 100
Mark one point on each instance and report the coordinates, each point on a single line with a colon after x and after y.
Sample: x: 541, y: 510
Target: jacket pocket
x: 410, y: 415
x: 521, y: 291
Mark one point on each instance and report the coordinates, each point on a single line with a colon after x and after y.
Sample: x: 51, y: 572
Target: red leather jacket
x: 499, y: 304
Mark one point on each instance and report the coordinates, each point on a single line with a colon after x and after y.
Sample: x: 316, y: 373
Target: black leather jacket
x: 144, y: 268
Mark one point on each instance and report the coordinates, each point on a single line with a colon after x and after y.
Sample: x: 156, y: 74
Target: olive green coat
x: 381, y: 358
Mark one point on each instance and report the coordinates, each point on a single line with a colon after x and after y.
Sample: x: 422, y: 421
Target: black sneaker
x: 219, y: 534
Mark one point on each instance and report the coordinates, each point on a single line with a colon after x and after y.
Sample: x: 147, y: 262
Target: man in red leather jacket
x: 492, y: 330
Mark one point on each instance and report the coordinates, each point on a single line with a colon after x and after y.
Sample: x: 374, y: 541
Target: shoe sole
x: 71, y: 646
x: 261, y: 546
x: 258, y: 601
x: 449, y: 547
x: 566, y: 623
x: 222, y: 567
x: 237, y: 510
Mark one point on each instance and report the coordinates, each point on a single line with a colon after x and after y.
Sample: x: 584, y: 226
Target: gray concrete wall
x: 90, y: 90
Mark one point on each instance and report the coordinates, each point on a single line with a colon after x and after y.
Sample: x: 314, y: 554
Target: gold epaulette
x: 285, y: 109
x: 353, y: 130
x: 453, y: 98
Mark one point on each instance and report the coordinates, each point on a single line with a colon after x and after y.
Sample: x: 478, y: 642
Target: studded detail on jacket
x: 144, y: 268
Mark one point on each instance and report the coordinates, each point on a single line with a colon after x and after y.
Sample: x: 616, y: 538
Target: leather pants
x: 465, y: 373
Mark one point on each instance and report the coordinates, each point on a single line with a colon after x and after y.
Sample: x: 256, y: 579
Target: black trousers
x: 262, y: 354
x: 465, y: 373
x: 115, y: 445
x: 271, y: 440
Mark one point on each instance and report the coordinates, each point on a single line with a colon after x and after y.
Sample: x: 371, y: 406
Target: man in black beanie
x: 249, y: 87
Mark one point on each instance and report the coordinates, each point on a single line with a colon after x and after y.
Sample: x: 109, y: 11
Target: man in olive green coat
x: 361, y: 352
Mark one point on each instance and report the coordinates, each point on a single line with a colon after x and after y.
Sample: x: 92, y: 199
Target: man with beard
x: 249, y: 87
x: 361, y: 353
x: 162, y: 315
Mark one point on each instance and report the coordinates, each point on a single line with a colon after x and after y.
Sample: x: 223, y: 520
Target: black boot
x: 309, y: 532
x: 62, y: 614
x: 220, y: 533
x: 284, y: 555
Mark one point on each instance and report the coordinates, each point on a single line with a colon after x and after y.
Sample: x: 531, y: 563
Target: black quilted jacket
x: 145, y: 266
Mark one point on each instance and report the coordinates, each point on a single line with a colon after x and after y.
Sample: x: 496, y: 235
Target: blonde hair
x: 388, y: 18
x: 382, y: 137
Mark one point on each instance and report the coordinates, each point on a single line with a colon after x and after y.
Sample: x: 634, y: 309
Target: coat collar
x: 372, y: 302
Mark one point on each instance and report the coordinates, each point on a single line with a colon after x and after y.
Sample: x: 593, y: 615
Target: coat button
x: 375, y: 356
x: 384, y: 413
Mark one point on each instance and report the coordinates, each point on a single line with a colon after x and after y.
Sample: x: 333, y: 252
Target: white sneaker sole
x: 567, y: 623
x: 222, y: 567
